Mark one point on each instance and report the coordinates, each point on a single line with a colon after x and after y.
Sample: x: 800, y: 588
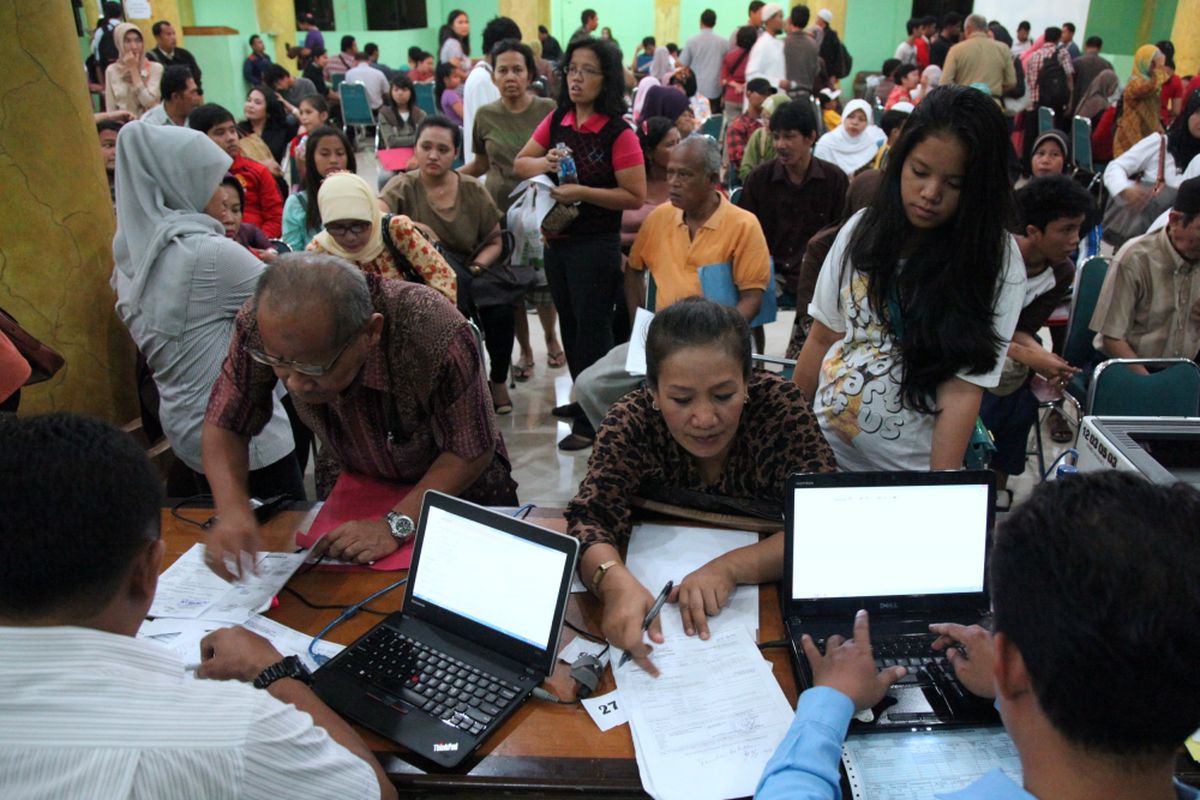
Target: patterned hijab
x: 1143, y: 60
x: 344, y: 195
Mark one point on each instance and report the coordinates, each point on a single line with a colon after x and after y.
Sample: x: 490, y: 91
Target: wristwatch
x: 401, y: 526
x: 289, y: 667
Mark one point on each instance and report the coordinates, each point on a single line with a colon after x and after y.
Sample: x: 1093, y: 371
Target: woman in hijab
x: 1098, y: 96
x: 669, y: 102
x: 854, y: 143
x: 662, y: 65
x: 1140, y: 113
x: 355, y: 231
x: 131, y: 82
x: 180, y: 282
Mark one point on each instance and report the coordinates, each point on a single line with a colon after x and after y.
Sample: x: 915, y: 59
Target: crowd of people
x: 921, y: 222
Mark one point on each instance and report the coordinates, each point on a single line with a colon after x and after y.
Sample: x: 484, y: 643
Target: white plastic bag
x: 525, y: 219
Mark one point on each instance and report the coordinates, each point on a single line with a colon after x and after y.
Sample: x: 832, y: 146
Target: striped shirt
x: 85, y: 713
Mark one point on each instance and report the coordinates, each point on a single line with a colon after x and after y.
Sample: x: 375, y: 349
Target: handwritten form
x: 907, y: 766
x: 188, y: 589
x: 705, y: 728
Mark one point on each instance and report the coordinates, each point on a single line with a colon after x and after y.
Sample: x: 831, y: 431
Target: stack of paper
x: 707, y: 725
x: 900, y: 766
x: 182, y: 637
x: 188, y: 589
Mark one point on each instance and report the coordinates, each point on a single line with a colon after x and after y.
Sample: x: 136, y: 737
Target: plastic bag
x: 525, y: 220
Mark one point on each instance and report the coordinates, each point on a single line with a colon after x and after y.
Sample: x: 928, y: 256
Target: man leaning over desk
x: 1092, y: 653
x: 388, y: 376
x: 87, y: 710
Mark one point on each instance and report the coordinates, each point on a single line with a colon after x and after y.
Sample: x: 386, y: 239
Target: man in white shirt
x: 372, y: 80
x: 766, y: 57
x: 480, y: 89
x: 91, y: 711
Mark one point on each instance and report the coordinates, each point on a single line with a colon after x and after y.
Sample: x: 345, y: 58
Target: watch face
x: 401, y: 525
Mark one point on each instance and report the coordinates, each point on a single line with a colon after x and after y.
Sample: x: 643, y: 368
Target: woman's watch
x: 289, y: 667
x: 401, y: 526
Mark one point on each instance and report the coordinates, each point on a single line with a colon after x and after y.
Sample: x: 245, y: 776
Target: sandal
x: 522, y: 370
x: 1060, y: 428
x: 556, y: 360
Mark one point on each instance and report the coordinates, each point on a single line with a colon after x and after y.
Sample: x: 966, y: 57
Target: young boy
x: 107, y: 130
x: 263, y: 206
x: 746, y: 123
x: 1091, y: 655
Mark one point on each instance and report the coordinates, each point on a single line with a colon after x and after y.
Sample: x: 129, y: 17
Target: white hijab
x: 165, y: 177
x: 851, y: 153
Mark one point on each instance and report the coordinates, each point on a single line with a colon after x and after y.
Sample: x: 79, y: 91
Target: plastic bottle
x: 566, y: 165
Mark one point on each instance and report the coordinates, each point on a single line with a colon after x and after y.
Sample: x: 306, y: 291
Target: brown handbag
x: 42, y: 360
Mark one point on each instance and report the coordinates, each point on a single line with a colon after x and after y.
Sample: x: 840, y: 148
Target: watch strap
x: 288, y: 667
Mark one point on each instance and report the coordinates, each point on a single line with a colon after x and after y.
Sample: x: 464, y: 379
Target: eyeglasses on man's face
x: 311, y: 370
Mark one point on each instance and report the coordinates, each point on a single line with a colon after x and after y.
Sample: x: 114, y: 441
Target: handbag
x: 1123, y: 222
x: 43, y: 360
x: 559, y: 218
x: 500, y: 283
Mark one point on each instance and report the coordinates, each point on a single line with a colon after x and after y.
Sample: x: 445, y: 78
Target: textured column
x: 666, y: 22
x: 1185, y: 35
x: 56, y: 218
x: 278, y: 17
x: 528, y: 14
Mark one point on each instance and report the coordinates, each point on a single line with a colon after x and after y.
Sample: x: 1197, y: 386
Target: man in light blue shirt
x: 1091, y: 658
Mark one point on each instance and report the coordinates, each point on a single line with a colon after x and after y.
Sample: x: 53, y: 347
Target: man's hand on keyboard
x: 848, y: 665
x: 969, y: 650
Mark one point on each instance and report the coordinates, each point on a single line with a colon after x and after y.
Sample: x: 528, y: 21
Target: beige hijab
x: 344, y: 195
x: 119, y: 40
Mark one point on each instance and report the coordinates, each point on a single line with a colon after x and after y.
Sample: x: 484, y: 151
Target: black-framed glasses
x: 311, y: 370
x: 352, y: 228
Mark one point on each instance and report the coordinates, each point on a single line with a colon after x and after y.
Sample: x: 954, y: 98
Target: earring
x: 654, y: 405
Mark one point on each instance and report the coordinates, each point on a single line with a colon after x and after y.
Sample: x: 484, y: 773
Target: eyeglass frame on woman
x: 311, y: 370
x: 586, y: 72
x: 353, y: 229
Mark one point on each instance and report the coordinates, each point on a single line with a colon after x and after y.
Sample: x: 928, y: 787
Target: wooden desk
x: 543, y: 749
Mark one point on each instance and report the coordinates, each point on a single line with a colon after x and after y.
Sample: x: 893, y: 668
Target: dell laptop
x: 910, y: 548
x: 480, y: 627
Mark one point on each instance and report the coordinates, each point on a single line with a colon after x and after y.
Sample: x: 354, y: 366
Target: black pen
x: 650, y: 615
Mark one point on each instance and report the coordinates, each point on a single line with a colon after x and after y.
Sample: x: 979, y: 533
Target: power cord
x: 325, y: 606
x: 774, y: 643
x: 193, y: 499
x: 1070, y: 451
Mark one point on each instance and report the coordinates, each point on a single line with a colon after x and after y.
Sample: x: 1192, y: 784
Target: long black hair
x: 447, y: 32
x: 947, y: 288
x: 1182, y: 146
x: 312, y: 179
x: 650, y: 135
x: 276, y: 112
x: 611, y: 100
x: 440, y: 73
x: 400, y: 80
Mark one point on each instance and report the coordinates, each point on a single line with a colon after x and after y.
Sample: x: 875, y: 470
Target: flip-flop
x: 522, y: 371
x: 503, y: 408
x: 1060, y: 428
x: 556, y: 360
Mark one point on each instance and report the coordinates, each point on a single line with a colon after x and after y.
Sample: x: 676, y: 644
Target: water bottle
x: 566, y: 165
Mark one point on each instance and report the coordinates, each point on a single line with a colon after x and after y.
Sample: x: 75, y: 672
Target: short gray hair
x: 710, y: 152
x: 976, y: 22
x: 306, y: 282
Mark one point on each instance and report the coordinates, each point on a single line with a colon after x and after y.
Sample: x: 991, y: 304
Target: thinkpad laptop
x: 483, y: 611
x: 910, y: 548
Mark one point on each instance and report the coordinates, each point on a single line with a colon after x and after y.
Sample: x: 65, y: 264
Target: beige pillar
x: 528, y: 14
x: 666, y: 21
x: 1185, y: 35
x: 278, y: 17
x: 159, y: 9
x: 56, y: 218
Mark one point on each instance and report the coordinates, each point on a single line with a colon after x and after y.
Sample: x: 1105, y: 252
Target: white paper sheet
x: 188, y: 589
x: 579, y: 645
x: 907, y: 766
x: 606, y: 710
x: 705, y: 728
x: 291, y: 642
x: 182, y: 637
x: 635, y: 359
x: 661, y: 553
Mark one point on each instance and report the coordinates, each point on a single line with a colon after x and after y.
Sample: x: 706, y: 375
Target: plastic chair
x: 335, y: 80
x: 424, y: 95
x: 1081, y: 144
x: 1078, y: 349
x: 816, y: 107
x: 735, y: 197
x: 879, y: 111
x: 1045, y: 119
x: 280, y: 246
x: 712, y: 126
x: 1173, y: 391
x: 787, y: 365
x: 356, y: 111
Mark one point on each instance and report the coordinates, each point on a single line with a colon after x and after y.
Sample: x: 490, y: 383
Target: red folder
x: 358, y: 497
x: 395, y: 159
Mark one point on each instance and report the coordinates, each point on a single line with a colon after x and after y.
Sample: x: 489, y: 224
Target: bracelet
x: 599, y: 574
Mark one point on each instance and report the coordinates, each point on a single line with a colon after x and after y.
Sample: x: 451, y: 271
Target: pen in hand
x: 650, y: 615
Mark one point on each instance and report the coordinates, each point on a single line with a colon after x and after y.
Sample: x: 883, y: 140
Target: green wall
x: 1119, y: 22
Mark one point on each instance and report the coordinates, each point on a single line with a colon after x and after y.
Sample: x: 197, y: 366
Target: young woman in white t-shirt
x: 918, y: 298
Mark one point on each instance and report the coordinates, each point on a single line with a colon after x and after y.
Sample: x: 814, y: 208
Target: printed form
x: 188, y: 589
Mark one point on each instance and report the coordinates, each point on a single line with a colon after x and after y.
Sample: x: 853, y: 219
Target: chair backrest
x: 1173, y: 391
x: 786, y: 366
x: 1045, y: 119
x: 280, y: 246
x: 879, y: 111
x: 735, y: 197
x: 355, y: 108
x: 712, y: 126
x: 424, y: 95
x: 335, y: 80
x: 1081, y: 144
x: 1078, y: 348
x: 819, y: 114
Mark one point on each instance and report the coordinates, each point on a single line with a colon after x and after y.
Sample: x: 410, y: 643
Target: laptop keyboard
x: 451, y: 690
x: 915, y: 651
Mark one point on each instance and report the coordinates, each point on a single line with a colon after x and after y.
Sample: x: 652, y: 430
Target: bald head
x: 308, y: 286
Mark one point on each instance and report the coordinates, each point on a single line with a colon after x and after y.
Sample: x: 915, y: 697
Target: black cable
x: 542, y: 694
x: 585, y: 634
x: 324, y: 606
x: 175, y: 510
x: 774, y: 643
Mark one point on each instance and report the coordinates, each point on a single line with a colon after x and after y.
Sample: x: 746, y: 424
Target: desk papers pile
x: 907, y: 766
x: 188, y: 589
x: 182, y: 637
x: 707, y: 725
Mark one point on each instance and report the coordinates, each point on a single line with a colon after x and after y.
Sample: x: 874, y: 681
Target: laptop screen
x: 497, y: 579
x: 886, y: 540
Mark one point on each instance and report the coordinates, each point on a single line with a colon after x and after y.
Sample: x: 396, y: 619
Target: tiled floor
x: 548, y: 477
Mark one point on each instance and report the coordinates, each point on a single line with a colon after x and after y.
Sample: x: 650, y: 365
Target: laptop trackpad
x: 905, y: 706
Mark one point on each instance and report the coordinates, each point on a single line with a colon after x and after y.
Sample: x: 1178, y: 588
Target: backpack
x: 847, y: 65
x: 1053, y: 90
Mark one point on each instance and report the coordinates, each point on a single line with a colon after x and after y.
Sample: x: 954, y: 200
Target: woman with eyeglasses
x: 180, y: 282
x: 355, y: 231
x: 583, y: 260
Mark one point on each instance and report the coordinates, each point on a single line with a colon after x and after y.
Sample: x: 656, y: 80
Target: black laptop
x: 483, y: 611
x: 910, y: 548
